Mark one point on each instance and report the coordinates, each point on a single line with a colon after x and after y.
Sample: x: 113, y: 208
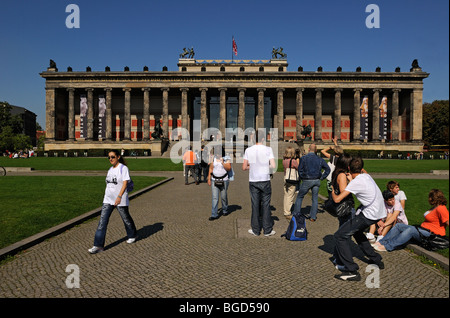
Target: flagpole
x: 232, y: 39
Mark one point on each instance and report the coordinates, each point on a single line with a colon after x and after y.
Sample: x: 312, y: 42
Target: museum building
x: 121, y: 109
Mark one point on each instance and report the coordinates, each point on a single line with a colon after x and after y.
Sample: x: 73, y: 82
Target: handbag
x: 341, y: 209
x: 287, y: 176
x: 433, y: 242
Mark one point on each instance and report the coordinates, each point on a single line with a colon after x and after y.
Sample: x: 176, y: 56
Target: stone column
x: 280, y: 113
x: 223, y: 111
x: 71, y: 115
x: 90, y: 114
x: 299, y: 113
x: 108, y: 114
x: 203, y: 109
x: 376, y: 114
x: 260, y: 123
x: 395, y: 115
x: 356, y: 113
x: 165, y: 112
x: 241, y: 113
x: 318, y: 116
x: 50, y: 113
x: 337, y: 113
x: 415, y: 132
x: 184, y: 108
x: 127, y: 114
x: 146, y: 114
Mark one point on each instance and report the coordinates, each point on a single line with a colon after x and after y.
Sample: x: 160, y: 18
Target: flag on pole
x: 234, y: 47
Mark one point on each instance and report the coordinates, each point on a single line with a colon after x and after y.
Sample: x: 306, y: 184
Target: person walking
x: 189, y: 160
x: 310, y: 172
x: 219, y: 181
x: 116, y: 196
x: 369, y: 195
x: 259, y: 159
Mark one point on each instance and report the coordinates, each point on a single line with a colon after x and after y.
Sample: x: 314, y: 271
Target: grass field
x: 165, y: 164
x: 44, y: 202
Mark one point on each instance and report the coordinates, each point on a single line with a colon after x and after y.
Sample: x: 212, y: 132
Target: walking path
x: 180, y: 253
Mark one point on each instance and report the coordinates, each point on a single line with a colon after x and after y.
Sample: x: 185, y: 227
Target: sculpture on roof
x: 190, y: 53
x: 279, y: 51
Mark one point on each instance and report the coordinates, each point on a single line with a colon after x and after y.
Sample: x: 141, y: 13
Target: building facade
x: 110, y: 109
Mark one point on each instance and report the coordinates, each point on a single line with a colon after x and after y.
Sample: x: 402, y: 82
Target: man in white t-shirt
x: 367, y: 192
x: 259, y: 159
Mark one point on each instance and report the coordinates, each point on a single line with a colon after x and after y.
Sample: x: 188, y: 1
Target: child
x: 395, y: 214
x: 400, y: 196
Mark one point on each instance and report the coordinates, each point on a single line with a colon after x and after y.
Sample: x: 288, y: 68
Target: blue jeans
x: 260, y: 194
x: 107, y: 209
x: 401, y: 234
x: 219, y: 193
x: 305, y: 186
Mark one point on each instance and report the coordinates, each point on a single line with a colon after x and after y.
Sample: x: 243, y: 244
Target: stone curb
x: 37, y: 238
x: 435, y: 257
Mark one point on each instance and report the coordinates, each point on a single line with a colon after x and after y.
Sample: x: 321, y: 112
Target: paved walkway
x: 182, y: 254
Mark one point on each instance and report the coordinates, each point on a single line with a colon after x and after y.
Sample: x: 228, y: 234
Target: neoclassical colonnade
x: 130, y: 97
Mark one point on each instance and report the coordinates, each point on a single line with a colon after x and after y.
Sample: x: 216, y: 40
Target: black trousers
x: 260, y: 194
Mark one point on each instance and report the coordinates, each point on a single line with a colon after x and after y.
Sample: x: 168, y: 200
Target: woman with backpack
x: 116, y: 196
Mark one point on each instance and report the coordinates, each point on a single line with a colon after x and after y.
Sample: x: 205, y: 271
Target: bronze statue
x: 307, y: 132
x: 190, y: 53
x: 158, y: 131
x: 279, y: 51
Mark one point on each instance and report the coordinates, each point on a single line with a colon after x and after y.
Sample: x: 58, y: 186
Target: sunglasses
x: 112, y: 157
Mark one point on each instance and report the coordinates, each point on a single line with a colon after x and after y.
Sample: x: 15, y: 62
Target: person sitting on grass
x: 395, y: 214
x: 400, y: 195
x: 436, y: 221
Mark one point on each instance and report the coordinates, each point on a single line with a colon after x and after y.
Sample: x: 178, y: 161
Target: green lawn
x: 44, y: 202
x: 72, y: 163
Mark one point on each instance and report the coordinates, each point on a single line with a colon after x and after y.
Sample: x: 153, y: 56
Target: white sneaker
x: 95, y: 250
x: 371, y: 238
x: 131, y: 240
x: 251, y: 232
x: 379, y: 237
x: 270, y: 234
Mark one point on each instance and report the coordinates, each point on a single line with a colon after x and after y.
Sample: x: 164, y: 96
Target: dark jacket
x: 310, y: 167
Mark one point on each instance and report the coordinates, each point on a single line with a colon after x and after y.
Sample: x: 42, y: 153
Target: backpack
x: 296, y: 230
x: 130, y: 183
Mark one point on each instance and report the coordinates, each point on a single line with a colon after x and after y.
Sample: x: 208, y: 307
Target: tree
x: 435, y: 122
x: 11, y: 127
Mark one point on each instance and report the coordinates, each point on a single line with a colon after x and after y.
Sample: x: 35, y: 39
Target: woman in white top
x: 116, y: 195
x: 218, y: 180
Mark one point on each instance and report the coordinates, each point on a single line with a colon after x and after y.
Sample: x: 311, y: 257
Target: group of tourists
x: 380, y: 214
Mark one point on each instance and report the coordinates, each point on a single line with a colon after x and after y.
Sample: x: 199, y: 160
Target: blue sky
x: 136, y: 33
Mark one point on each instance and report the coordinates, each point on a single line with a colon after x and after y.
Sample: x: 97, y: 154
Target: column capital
x: 357, y: 89
x: 300, y: 89
x: 338, y: 89
x: 280, y: 89
x: 127, y: 89
x: 108, y: 89
x: 165, y: 89
x: 241, y: 89
x: 377, y: 90
x: 145, y: 89
x: 260, y: 89
x: 89, y: 89
x: 222, y: 89
x: 319, y: 89
x: 70, y: 89
x: 184, y: 89
x: 396, y: 90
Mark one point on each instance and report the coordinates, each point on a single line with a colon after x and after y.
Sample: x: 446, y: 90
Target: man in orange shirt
x: 189, y: 160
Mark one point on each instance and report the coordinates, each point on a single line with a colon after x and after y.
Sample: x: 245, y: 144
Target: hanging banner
x: 83, y: 116
x: 364, y: 121
x: 101, y: 117
x: 383, y: 119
